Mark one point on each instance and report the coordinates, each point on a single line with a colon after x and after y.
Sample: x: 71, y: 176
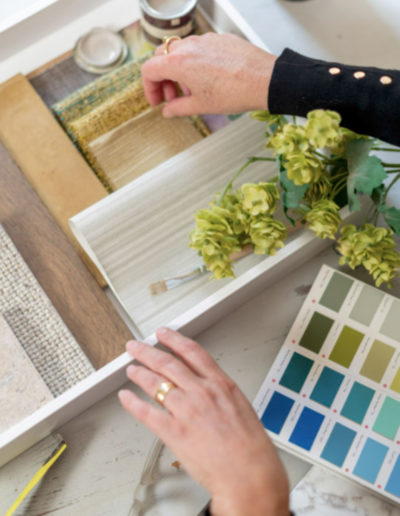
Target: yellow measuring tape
x: 37, y: 477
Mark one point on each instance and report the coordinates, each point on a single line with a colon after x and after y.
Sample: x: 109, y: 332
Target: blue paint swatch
x: 338, y: 444
x: 306, y: 428
x: 327, y: 386
x: 296, y: 372
x: 357, y: 402
x: 277, y: 411
x: 393, y: 485
x: 370, y: 461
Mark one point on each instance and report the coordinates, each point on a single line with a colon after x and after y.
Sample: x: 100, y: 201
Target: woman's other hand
x: 217, y: 74
x: 209, y: 425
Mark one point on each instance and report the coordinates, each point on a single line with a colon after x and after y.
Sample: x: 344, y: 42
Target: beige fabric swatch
x: 22, y: 389
x: 37, y: 325
x: 140, y: 144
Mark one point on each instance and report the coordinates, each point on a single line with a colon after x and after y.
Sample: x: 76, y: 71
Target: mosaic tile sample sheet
x: 333, y: 392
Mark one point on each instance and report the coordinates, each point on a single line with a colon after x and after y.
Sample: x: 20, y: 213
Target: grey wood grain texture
x: 60, y: 80
x: 22, y: 389
x: 140, y: 234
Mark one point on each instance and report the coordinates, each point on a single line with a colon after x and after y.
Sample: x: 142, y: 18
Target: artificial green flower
x: 259, y: 198
x: 215, y: 240
x: 345, y: 136
x: 318, y: 190
x: 324, y: 219
x: 290, y: 139
x: 303, y: 168
x: 372, y: 247
x: 322, y: 127
x: 267, y: 234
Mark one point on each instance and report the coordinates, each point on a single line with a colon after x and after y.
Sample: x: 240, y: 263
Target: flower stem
x: 390, y: 165
x: 237, y: 174
x: 387, y: 149
x: 394, y: 180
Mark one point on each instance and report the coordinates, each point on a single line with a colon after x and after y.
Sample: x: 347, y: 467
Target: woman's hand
x: 217, y: 73
x: 209, y: 425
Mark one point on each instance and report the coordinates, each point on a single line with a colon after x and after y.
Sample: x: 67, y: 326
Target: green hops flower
x: 267, y: 234
x: 372, y: 247
x: 239, y: 219
x: 215, y: 240
x: 345, y: 136
x: 259, y: 198
x: 303, y: 168
x: 290, y: 139
x: 322, y: 127
x: 324, y: 219
x: 319, y: 189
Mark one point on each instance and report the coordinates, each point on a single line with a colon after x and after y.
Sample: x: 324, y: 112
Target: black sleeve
x: 368, y: 99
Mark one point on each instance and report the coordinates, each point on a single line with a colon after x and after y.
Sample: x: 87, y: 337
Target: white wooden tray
x: 197, y: 311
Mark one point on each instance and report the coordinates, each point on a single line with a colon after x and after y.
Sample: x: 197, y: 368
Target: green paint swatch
x: 336, y: 291
x: 377, y: 361
x: 395, y: 386
x: 346, y: 346
x: 316, y: 332
x: 388, y: 421
x: 296, y: 372
x: 366, y: 305
x: 391, y: 324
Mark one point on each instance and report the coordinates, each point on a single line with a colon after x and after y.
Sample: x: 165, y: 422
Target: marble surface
x: 322, y: 493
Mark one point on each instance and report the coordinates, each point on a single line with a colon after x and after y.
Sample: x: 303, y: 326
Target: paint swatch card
x: 333, y: 392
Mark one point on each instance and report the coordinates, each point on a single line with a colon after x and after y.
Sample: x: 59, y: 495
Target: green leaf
x: 366, y: 173
x: 392, y: 217
x: 292, y: 194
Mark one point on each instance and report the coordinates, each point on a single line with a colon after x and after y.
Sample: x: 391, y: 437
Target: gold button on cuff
x: 359, y: 75
x: 334, y: 70
x: 385, y: 79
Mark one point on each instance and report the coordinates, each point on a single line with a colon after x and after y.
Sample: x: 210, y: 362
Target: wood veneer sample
x: 140, y: 144
x: 59, y: 174
x: 77, y: 297
x: 22, y: 389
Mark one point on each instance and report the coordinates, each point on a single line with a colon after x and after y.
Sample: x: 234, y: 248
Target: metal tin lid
x: 100, y: 50
x: 167, y: 9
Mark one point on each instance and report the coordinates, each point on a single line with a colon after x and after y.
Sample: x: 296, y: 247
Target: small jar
x: 163, y: 18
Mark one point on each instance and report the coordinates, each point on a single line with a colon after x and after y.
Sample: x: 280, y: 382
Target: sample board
x: 333, y: 392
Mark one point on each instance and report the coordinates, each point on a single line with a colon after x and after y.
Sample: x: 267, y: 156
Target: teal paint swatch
x: 370, y: 461
x: 327, y: 386
x: 338, y: 444
x: 388, y: 421
x: 393, y: 485
x: 336, y: 291
x: 366, y: 305
x: 296, y: 372
x: 316, y: 332
x: 357, y: 402
x: 391, y: 324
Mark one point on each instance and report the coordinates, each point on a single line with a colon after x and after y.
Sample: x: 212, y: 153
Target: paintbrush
x: 167, y: 284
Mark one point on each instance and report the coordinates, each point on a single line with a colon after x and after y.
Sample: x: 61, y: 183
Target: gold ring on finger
x: 167, y: 40
x: 162, y: 392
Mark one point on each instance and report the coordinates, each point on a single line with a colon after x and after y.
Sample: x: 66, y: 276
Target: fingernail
x: 130, y: 369
x: 132, y: 345
x: 163, y: 330
x: 123, y: 394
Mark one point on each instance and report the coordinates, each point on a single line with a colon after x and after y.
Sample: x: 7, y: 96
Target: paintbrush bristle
x: 158, y: 288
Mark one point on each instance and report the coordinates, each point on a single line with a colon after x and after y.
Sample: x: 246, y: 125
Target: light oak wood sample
x: 59, y: 174
x: 140, y: 234
x: 140, y: 144
x: 79, y: 300
x: 22, y: 389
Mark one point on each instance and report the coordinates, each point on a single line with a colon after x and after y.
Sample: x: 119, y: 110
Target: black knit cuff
x: 367, y: 104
